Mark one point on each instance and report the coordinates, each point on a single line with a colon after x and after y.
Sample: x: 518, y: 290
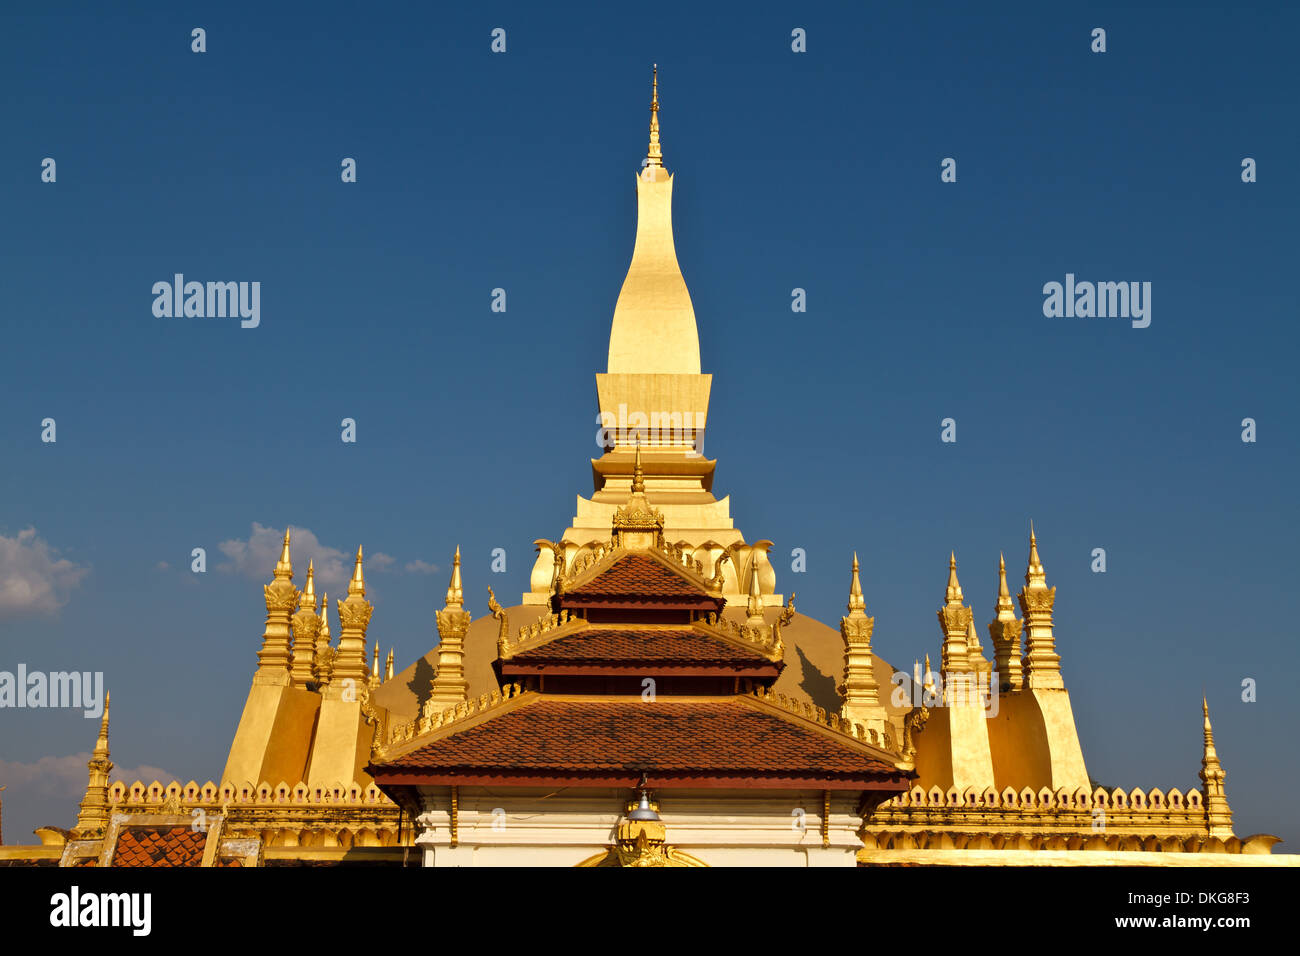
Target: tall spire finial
x: 856, y: 601
x: 308, y: 597
x: 755, y: 604
x: 953, y: 593
x: 1035, y: 576
x: 638, y: 477
x: 358, y: 583
x: 455, y: 593
x: 654, y: 155
x: 1006, y: 609
x: 101, y: 743
x: 1210, y: 753
x: 284, y: 567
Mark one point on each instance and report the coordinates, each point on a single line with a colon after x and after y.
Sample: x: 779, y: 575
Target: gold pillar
x: 92, y: 817
x: 354, y: 619
x: 281, y: 598
x: 954, y: 621
x: 341, y: 745
x: 449, y: 686
x: 1004, y: 632
x: 306, y: 625
x: 1218, y: 815
x: 1042, y: 663
x: 859, y: 689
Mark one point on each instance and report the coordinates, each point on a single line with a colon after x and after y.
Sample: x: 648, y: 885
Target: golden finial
x: 388, y: 666
x: 1005, y: 608
x: 455, y: 593
x: 953, y: 593
x: 358, y: 583
x: 654, y: 155
x: 1212, y: 773
x: 755, y: 606
x: 638, y: 477
x: 324, y: 619
x: 1035, y: 577
x: 284, y: 568
x: 101, y: 742
x: 374, y: 664
x: 1210, y: 754
x: 929, y: 674
x: 307, y: 600
x: 856, y: 602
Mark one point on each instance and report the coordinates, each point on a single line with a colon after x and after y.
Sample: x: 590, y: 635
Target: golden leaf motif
x: 280, y: 596
x: 355, y: 614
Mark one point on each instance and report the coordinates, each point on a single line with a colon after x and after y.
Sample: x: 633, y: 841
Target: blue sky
x: 817, y: 170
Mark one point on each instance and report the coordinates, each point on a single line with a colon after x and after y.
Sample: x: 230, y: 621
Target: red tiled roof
x: 633, y: 646
x: 724, y: 738
x: 637, y: 579
x: 159, y: 846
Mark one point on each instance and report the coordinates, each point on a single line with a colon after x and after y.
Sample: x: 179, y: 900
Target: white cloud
x: 33, y: 578
x: 255, y: 557
x: 421, y: 567
x: 66, y: 776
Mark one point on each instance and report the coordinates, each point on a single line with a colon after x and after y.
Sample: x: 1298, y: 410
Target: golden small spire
x: 1217, y: 811
x: 307, y: 600
x: 374, y: 664
x: 1035, y: 577
x: 856, y: 601
x: 101, y: 743
x: 388, y: 666
x: 324, y: 634
x: 455, y: 593
x: 929, y: 674
x: 284, y: 568
x: 654, y: 155
x: 755, y: 606
x: 358, y: 583
x: 638, y: 476
x: 1210, y: 755
x: 1006, y: 609
x: 953, y: 593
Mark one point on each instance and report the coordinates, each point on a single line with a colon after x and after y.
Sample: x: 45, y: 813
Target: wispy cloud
x: 66, y: 776
x: 33, y: 578
x: 254, y: 557
x: 421, y: 567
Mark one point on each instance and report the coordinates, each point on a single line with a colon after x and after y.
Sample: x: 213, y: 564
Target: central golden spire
x: 654, y: 155
x: 654, y: 322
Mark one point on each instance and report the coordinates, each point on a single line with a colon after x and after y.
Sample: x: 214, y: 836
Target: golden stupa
x: 652, y: 700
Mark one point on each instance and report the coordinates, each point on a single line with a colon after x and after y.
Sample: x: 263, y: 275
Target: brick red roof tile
x: 159, y: 846
x: 722, y: 738
x: 632, y: 646
x: 637, y: 579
